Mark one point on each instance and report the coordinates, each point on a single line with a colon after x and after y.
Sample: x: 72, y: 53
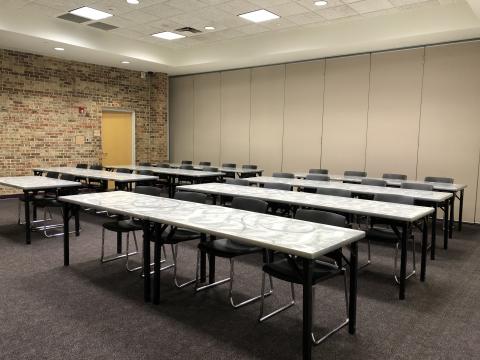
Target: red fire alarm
x: 81, y: 110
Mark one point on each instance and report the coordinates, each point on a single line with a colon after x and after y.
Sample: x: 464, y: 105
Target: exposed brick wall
x: 39, y: 117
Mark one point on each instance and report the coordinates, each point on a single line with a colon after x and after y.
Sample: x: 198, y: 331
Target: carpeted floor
x: 94, y: 311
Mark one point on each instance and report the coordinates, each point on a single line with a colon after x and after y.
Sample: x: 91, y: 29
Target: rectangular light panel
x: 90, y: 13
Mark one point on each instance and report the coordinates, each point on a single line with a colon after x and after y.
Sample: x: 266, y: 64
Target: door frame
x: 126, y: 111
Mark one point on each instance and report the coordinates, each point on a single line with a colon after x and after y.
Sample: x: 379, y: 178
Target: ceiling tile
x: 237, y: 7
x: 162, y: 10
x: 367, y: 6
x: 252, y: 29
x: 288, y: 9
x: 307, y: 18
x: 337, y: 12
x: 281, y: 23
x: 185, y: 5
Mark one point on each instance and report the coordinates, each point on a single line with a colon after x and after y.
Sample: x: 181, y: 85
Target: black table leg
x: 203, y: 261
x: 460, y: 211
x: 119, y: 242
x: 423, y: 266
x: 434, y: 232
x: 77, y: 221
x: 452, y: 217
x: 403, y: 261
x: 445, y: 224
x: 211, y: 265
x: 147, y: 233
x: 352, y: 304
x: 307, y: 308
x: 27, y: 217
x: 66, y: 234
x: 157, y: 256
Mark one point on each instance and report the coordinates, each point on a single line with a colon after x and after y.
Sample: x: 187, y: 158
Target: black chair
x: 283, y: 175
x: 204, y: 163
x: 187, y: 167
x: 165, y: 166
x: 251, y: 167
x: 417, y: 186
x: 277, y: 186
x: 290, y: 268
x: 230, y: 249
x: 145, y: 182
x: 317, y: 177
x: 237, y: 182
x: 437, y: 179
x: 96, y: 167
x: 123, y: 186
x: 94, y: 184
x: 176, y: 235
x: 126, y: 225
x: 186, y: 162
x: 390, y: 233
x: 145, y: 164
x: 229, y: 165
x: 355, y: 173
x: 210, y: 168
x: 275, y: 208
x: 82, y: 166
x: 395, y: 176
x: 334, y: 192
x: 318, y: 171
x: 374, y: 182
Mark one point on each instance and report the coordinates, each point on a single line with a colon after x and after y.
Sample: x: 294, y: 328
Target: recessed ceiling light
x: 59, y: 49
x: 321, y: 2
x: 167, y: 35
x: 133, y: 2
x: 125, y: 62
x: 90, y: 13
x: 209, y: 28
x: 259, y: 16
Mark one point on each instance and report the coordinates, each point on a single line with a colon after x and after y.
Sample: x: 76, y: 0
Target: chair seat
x: 228, y: 248
x: 284, y: 270
x: 47, y: 202
x: 122, y: 226
x: 381, y: 234
x: 180, y: 236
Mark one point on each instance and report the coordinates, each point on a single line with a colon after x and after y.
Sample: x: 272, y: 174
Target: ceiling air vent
x: 189, y: 29
x: 73, y: 18
x: 103, y: 26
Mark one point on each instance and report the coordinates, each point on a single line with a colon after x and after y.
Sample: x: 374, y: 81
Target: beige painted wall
x: 414, y: 111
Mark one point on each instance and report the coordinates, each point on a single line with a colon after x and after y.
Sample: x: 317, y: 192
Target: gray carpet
x: 95, y: 311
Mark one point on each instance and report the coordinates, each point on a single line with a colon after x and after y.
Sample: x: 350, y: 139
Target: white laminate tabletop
x: 305, y: 239
x: 170, y: 171
x: 391, y: 182
x: 36, y: 182
x: 380, y: 209
x: 431, y: 196
x: 98, y: 174
x: 238, y: 170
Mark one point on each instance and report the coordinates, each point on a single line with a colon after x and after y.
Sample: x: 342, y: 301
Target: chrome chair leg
x: 197, y: 277
x: 175, y: 265
x: 369, y: 254
x: 113, y: 258
x: 414, y: 263
x: 262, y: 317
x: 343, y: 324
x: 162, y: 260
x: 133, y: 253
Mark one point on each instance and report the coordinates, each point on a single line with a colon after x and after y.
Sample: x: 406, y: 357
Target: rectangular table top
x: 97, y: 174
x: 36, y: 182
x: 237, y: 170
x: 170, y: 171
x: 380, y: 209
x: 305, y: 239
x: 430, y: 196
x: 392, y: 182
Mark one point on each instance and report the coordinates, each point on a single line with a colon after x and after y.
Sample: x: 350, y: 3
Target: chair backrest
x: 145, y: 172
x: 82, y: 166
x: 334, y: 192
x: 187, y: 162
x: 253, y: 167
x: 321, y: 217
x: 374, y: 182
x: 355, y: 173
x: 148, y: 190
x: 229, y: 165
x: 283, y: 175
x: 395, y: 176
x: 52, y: 174
x: 277, y: 186
x: 242, y: 182
x: 248, y: 204
x: 145, y: 164
x: 318, y: 171
x: 96, y: 167
x: 187, y: 167
x: 438, y: 179
x: 317, y: 177
x: 68, y: 177
x: 124, y: 171
x: 205, y: 163
x: 417, y: 186
x: 210, y: 168
x: 163, y: 165
x: 399, y: 199
x: 191, y: 196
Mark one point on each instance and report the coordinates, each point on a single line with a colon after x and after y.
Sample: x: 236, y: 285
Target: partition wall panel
x: 345, y: 113
x: 206, y: 115
x: 394, y: 112
x: 181, y: 118
x: 235, y: 117
x: 266, y: 128
x: 450, y: 125
x: 302, y: 139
